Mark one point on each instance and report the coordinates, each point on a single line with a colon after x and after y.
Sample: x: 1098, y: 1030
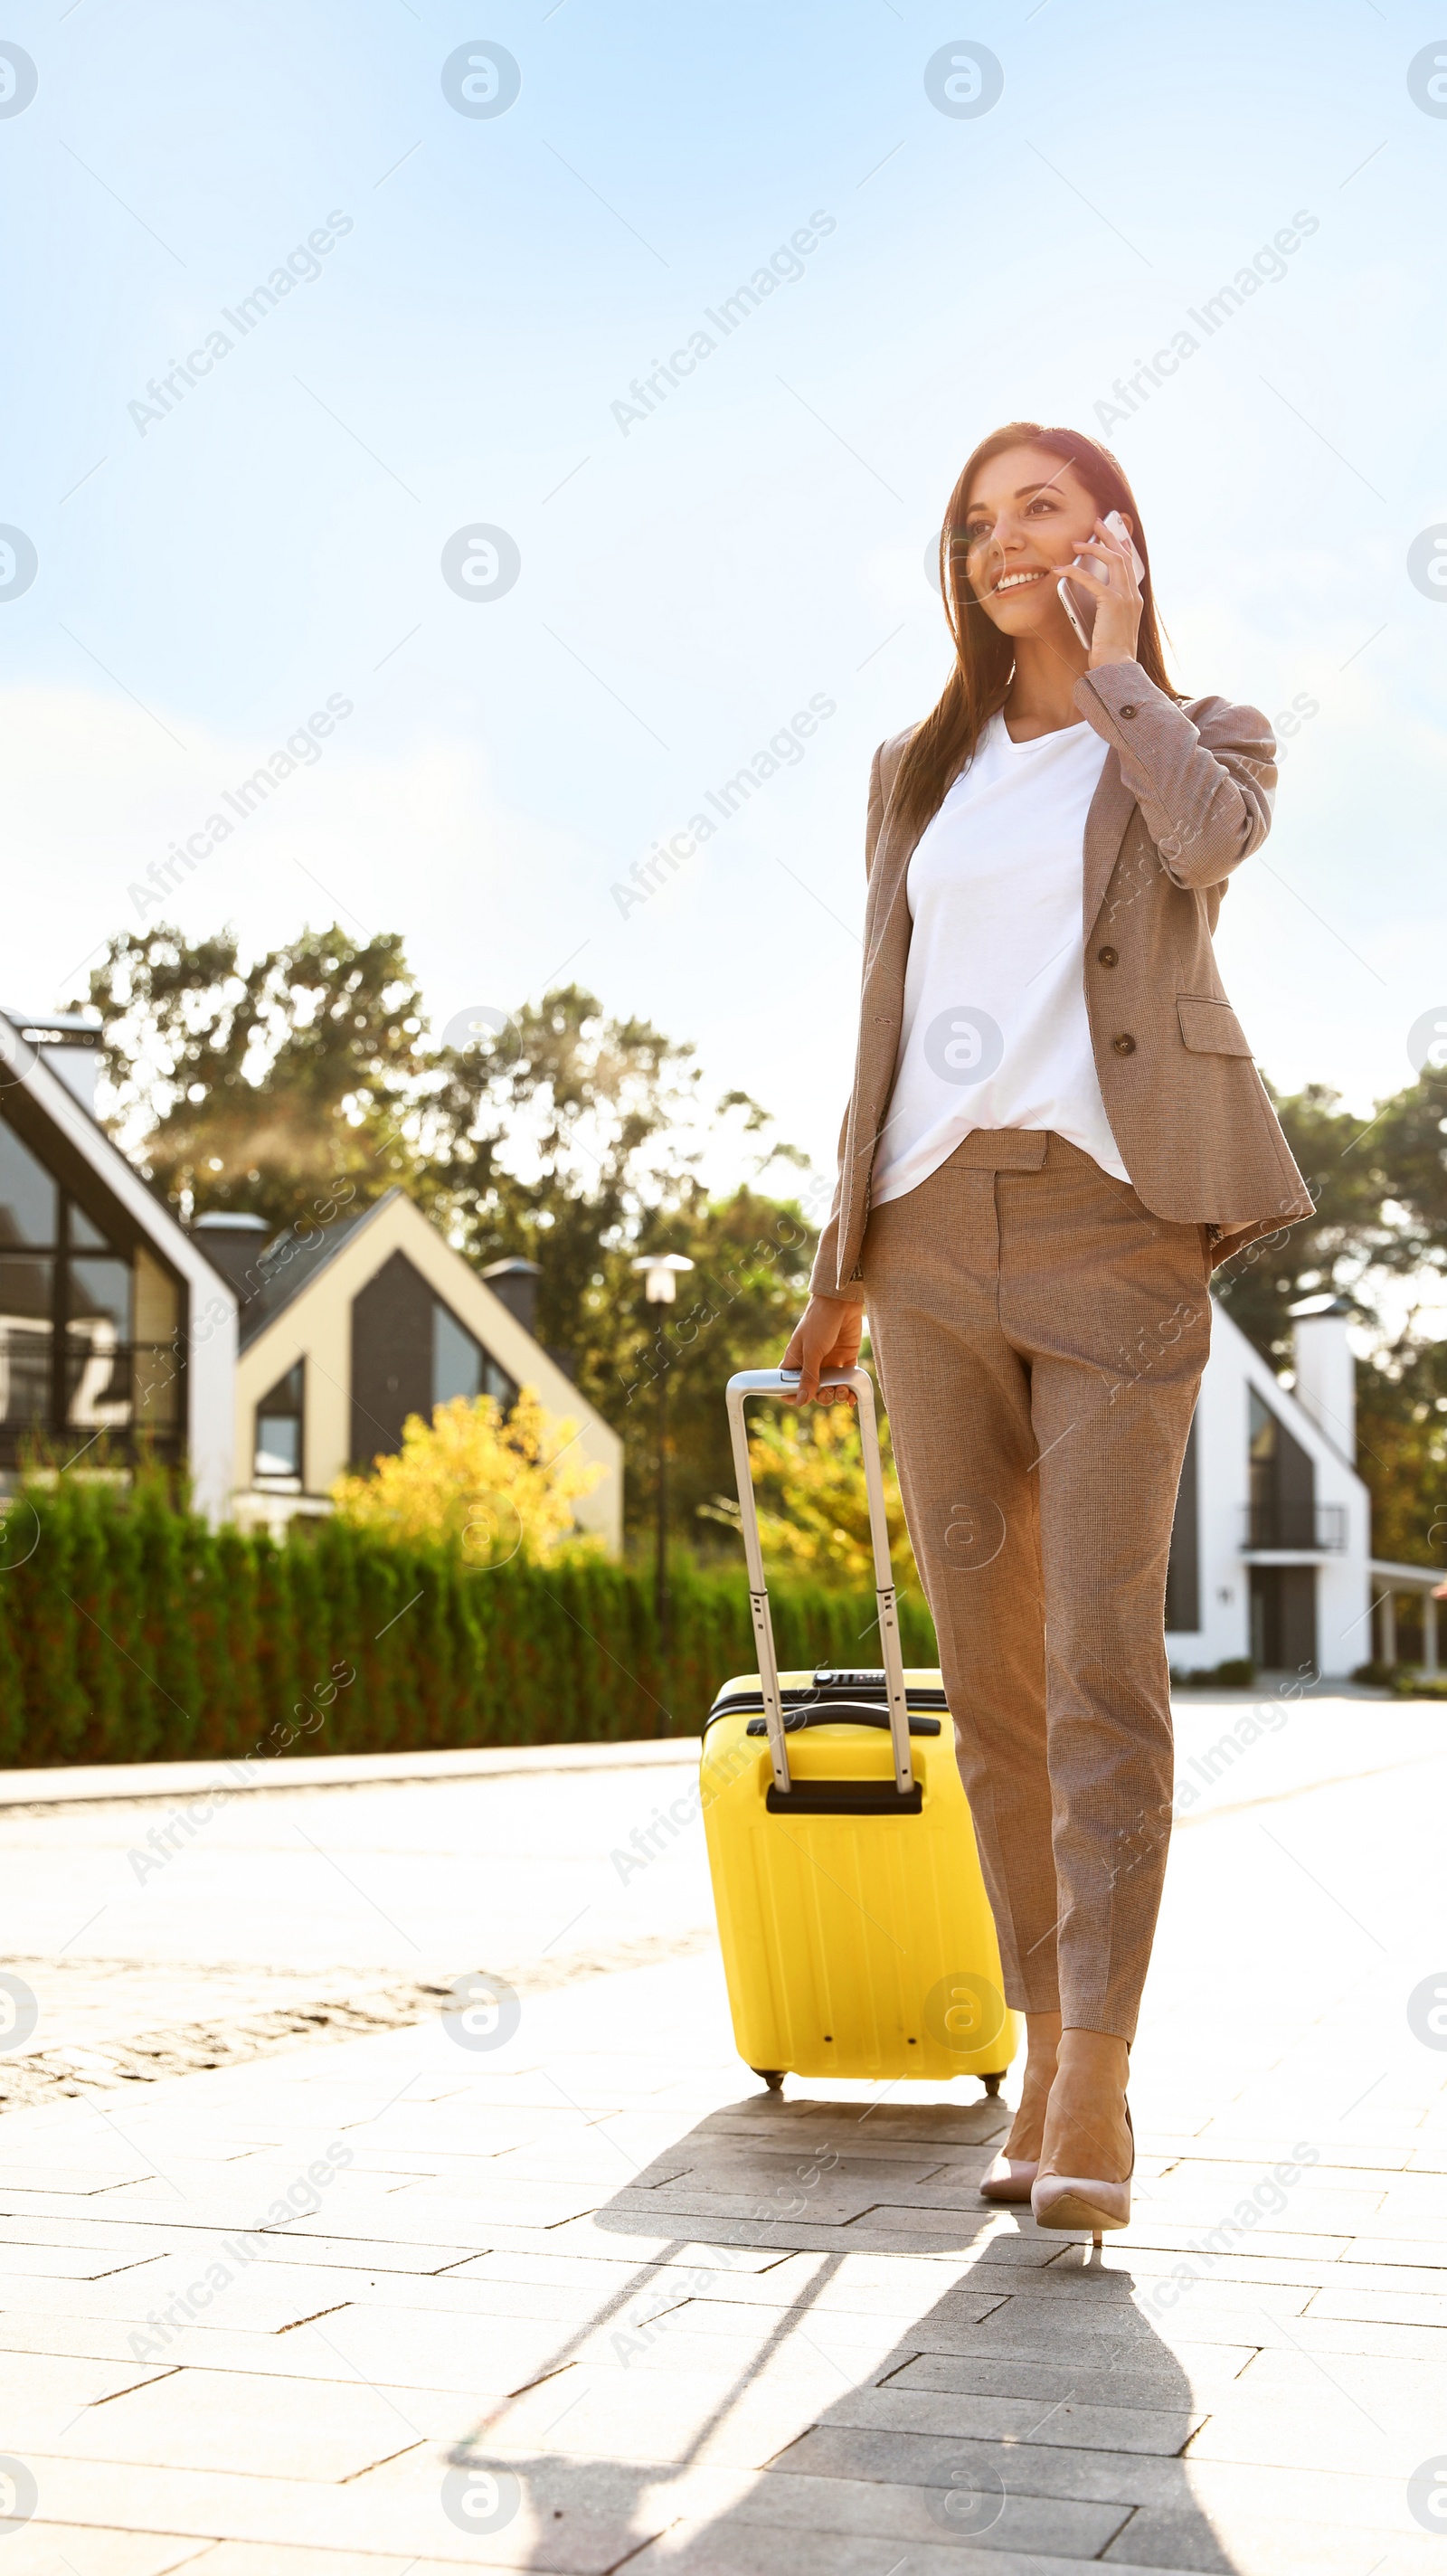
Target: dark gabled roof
x: 289, y: 1263
x: 69, y: 1139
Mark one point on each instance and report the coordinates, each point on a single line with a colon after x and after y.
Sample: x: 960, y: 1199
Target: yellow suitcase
x: 857, y: 1937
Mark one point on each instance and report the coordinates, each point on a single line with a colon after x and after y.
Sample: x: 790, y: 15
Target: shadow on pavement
x: 1011, y: 2398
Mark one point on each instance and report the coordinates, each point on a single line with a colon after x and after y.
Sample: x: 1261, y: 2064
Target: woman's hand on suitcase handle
x: 827, y: 1336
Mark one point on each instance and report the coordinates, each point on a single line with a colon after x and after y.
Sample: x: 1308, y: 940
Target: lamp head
x: 660, y: 1275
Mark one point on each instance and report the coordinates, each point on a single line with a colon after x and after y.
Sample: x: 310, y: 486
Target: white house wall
x: 1222, y: 1493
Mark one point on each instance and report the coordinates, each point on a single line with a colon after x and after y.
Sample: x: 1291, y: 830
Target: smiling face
x: 1026, y: 513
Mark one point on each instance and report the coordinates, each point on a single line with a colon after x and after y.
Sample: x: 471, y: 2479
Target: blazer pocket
x: 1210, y: 1028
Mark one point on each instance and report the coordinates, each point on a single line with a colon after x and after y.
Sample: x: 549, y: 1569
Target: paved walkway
x: 565, y: 2292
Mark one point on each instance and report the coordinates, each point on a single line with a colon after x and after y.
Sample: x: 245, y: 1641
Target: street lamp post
x: 660, y: 1288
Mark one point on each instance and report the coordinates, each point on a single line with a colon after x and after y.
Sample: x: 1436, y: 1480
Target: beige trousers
x: 1040, y: 1339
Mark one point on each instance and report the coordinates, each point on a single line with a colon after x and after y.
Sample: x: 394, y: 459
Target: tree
x: 735, y: 1310
x: 557, y: 1137
x: 813, y: 1512
x: 1402, y: 1448
x: 1336, y: 1247
x: 576, y: 1140
x: 1380, y: 1192
x: 1380, y: 1187
x: 262, y: 1088
x: 567, y: 1136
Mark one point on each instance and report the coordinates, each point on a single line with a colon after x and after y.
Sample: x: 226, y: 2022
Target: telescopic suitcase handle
x: 781, y: 1382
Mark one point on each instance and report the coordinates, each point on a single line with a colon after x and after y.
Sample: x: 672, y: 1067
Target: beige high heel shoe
x: 1008, y: 2179
x: 1080, y: 2204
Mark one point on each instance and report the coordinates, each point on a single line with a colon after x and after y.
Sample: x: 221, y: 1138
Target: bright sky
x: 216, y: 563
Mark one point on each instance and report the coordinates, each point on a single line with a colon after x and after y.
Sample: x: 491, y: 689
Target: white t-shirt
x: 995, y: 1032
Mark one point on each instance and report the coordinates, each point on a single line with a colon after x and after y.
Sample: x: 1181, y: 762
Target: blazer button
x: 1124, y: 1045
x: 1108, y: 956
x: 1170, y: 849
x: 1127, y: 711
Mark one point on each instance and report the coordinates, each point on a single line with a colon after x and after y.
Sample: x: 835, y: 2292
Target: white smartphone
x: 1078, y: 602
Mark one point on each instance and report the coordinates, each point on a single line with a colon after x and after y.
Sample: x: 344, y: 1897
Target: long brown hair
x: 984, y: 658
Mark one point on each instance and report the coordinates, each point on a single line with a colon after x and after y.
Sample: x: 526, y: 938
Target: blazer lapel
x: 1111, y: 808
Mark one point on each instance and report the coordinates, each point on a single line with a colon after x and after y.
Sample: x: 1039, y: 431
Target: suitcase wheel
x: 992, y: 2083
x: 773, y: 2076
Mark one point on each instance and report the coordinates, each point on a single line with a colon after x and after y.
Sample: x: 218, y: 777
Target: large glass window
x: 97, y: 1343
x: 460, y: 1365
x: 279, y: 1418
x: 27, y: 1337
x: 29, y: 1199
x: 83, y: 1235
x: 75, y: 1356
x: 1281, y: 1486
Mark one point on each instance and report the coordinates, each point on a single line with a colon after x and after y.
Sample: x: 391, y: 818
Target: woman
x: 1055, y: 1132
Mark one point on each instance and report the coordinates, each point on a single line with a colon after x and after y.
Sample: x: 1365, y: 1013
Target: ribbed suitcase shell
x: 854, y: 1945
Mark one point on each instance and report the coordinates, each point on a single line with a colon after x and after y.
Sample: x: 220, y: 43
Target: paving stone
x: 59, y: 2262
x: 559, y: 2289
x: 1195, y: 2200
x: 252, y: 2558
x: 1062, y: 2423
x: 1276, y: 2249
x: 811, y: 2354
x: 1420, y: 2253
x: 1045, y: 2524
x: 1393, y: 2280
x: 287, y: 2427
x: 1331, y: 2431
x: 52, y: 2548
x: 910, y: 2280
x: 1350, y: 2303
x: 1131, y: 2378
x: 394, y: 2242
x: 268, y: 2297
x: 1383, y: 2384
x: 80, y: 2182
x: 888, y: 2456
x: 407, y: 2348
x: 841, y: 2328
x: 1249, y: 2546
x: 42, y: 2395
x: 908, y: 2231
x: 1226, y: 2493
x: 622, y: 2414
x: 770, y: 2201
x: 571, y: 2520
x: 738, y: 2550
x: 467, y: 2219
x: 585, y: 2238
x: 442, y: 2352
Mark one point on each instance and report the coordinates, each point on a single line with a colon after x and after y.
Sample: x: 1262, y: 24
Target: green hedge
x: 133, y: 1632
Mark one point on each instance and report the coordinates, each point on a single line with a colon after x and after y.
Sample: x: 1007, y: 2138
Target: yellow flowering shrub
x: 494, y: 1486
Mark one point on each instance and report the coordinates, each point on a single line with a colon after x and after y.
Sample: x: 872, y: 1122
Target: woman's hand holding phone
x: 1105, y: 568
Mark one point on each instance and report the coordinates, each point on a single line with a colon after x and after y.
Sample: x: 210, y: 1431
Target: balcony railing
x: 1321, y: 1527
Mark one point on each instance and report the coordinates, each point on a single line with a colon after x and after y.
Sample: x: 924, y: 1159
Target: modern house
x: 114, y: 1326
x: 268, y: 1364
x: 1271, y: 1551
x: 346, y: 1329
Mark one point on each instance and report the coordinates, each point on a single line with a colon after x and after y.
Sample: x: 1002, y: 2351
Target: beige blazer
x: 1184, y: 797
